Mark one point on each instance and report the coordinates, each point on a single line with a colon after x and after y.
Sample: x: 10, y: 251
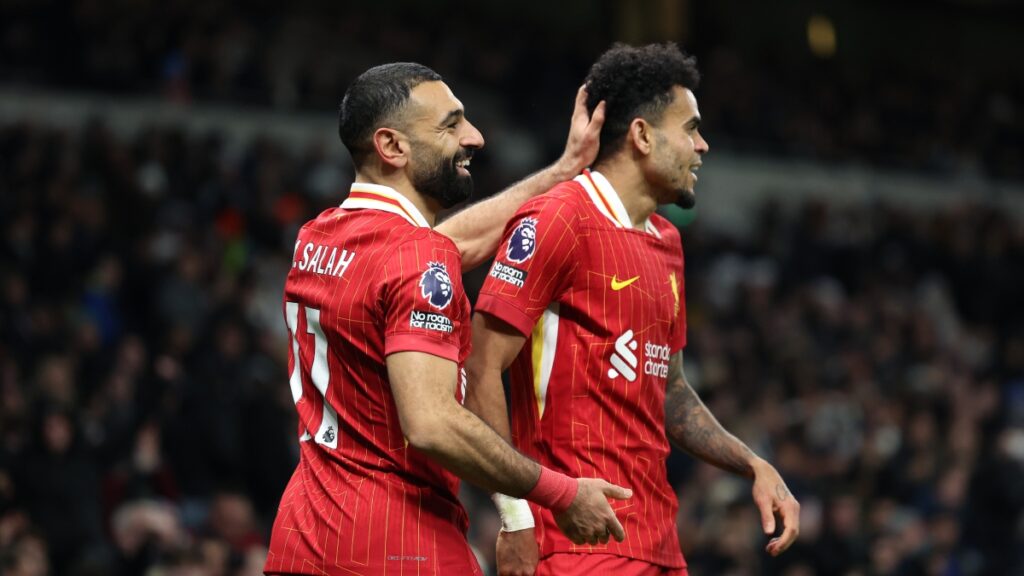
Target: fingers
x: 617, y: 492
x: 579, y: 111
x: 594, y: 120
x: 581, y: 97
x: 597, y: 118
x: 591, y: 519
x: 780, y: 544
x: 791, y: 522
x: 767, y: 516
x: 616, y: 530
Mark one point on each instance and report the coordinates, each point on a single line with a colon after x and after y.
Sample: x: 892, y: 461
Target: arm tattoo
x: 781, y: 492
x: 691, y: 426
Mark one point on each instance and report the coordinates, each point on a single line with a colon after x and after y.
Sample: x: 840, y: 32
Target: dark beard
x: 444, y: 183
x: 686, y: 199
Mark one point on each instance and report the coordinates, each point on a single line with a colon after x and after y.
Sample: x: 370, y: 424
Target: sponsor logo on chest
x: 625, y: 362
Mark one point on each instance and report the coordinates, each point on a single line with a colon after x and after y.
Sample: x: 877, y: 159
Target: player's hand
x: 517, y: 553
x: 773, y: 500
x: 584, y: 136
x: 590, y: 518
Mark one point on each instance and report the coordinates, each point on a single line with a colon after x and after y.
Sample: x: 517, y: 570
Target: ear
x: 392, y: 147
x: 640, y: 135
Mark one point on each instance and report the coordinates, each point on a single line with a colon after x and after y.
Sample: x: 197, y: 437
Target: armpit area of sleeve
x: 679, y: 344
x: 419, y: 343
x: 504, y: 311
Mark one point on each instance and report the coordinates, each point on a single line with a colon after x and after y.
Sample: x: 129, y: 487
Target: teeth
x: 463, y: 163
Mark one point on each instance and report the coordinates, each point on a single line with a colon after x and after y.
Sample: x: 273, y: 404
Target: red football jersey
x: 368, y: 279
x: 602, y: 307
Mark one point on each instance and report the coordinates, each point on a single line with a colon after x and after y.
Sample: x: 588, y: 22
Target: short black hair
x: 636, y: 82
x: 373, y: 99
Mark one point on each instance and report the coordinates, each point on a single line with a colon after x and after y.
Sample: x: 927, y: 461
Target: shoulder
x: 355, y: 224
x: 390, y: 231
x: 418, y: 247
x: 388, y: 239
x: 563, y: 201
x: 325, y: 220
x: 667, y: 230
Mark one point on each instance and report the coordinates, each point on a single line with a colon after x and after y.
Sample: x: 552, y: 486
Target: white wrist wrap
x: 515, y: 512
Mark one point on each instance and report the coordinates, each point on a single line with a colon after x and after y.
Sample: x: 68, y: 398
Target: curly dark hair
x: 373, y: 99
x: 636, y: 82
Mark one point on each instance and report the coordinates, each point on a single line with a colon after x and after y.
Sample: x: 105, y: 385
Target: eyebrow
x: 453, y: 115
x: 693, y: 122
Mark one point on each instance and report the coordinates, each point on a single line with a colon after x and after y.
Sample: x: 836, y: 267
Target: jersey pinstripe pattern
x: 361, y: 501
x: 602, y: 307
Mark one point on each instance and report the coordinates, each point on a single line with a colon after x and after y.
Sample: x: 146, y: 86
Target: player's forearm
x: 485, y: 397
x: 691, y: 426
x: 477, y: 229
x: 466, y: 446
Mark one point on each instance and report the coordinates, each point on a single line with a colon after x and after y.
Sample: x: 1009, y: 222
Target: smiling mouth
x: 694, y: 169
x: 462, y: 164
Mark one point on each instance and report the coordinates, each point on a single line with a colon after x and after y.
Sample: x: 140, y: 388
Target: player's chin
x: 465, y: 185
x: 460, y: 190
x: 686, y: 198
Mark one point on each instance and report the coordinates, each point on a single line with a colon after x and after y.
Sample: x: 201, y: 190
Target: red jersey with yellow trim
x: 602, y: 307
x: 368, y: 279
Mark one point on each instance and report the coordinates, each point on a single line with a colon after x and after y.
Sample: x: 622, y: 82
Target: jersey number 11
x: 319, y: 372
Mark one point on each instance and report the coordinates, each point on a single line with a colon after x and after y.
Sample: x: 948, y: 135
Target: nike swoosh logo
x: 616, y: 285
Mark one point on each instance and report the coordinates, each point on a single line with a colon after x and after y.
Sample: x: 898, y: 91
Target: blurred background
x: 855, y: 263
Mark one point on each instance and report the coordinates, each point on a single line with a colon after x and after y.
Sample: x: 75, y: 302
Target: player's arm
x: 477, y: 229
x: 691, y: 426
x: 423, y: 386
x: 495, y: 346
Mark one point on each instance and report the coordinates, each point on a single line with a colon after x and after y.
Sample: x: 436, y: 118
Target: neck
x: 397, y: 181
x: 625, y: 176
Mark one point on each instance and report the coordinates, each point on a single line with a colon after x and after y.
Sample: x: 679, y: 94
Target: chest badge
x: 675, y: 291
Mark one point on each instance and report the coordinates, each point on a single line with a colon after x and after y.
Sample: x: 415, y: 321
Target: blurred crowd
x: 874, y: 354
x: 948, y: 118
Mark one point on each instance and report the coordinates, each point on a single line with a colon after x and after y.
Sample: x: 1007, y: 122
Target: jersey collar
x: 364, y: 195
x: 607, y: 201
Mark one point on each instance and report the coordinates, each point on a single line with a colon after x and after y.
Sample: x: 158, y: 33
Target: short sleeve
x: 422, y: 301
x: 533, y: 265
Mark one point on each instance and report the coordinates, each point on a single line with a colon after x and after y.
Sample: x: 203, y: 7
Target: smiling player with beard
x: 379, y: 326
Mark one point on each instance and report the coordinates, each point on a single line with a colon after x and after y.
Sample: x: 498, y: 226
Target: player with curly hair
x: 584, y: 306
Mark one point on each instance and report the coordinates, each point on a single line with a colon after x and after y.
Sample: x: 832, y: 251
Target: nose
x: 701, y: 145
x: 471, y: 137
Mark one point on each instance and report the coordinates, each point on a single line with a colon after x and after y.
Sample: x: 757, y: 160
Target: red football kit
x: 602, y: 307
x: 368, y: 279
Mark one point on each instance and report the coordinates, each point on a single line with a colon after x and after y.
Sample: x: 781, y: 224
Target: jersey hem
x: 678, y: 563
